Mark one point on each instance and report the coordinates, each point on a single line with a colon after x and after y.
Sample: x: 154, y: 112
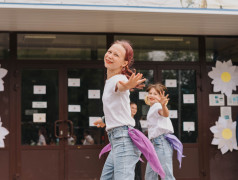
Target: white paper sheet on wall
x: 74, y: 108
x: 92, y: 120
x: 226, y: 112
x: 74, y: 82
x: 170, y: 83
x: 142, y: 95
x: 188, y: 126
x: 30, y: 112
x: 39, y: 117
x: 143, y: 124
x: 216, y: 100
x: 93, y: 94
x: 39, y: 89
x: 39, y: 104
x: 188, y: 99
x: 232, y: 100
x: 173, y: 114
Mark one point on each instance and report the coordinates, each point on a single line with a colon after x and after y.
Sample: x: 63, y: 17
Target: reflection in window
x: 4, y: 45
x: 187, y: 112
x: 39, y: 107
x: 88, y: 95
x: 163, y: 48
x: 61, y: 47
x: 222, y: 49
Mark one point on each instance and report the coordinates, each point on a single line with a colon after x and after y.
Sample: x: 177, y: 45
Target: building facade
x: 53, y: 52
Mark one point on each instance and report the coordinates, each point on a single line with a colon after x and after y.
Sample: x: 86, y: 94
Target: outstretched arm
x: 133, y: 81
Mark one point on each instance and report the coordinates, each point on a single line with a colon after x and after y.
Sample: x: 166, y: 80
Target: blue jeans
x: 121, y: 161
x: 165, y: 154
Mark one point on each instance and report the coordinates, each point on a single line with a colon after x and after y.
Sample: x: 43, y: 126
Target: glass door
x: 84, y: 105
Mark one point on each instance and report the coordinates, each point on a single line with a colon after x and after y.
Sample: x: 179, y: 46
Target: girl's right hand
x: 99, y: 123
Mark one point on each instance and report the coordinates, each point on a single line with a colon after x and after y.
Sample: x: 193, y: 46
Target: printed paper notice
x: 74, y: 108
x: 171, y: 83
x: 142, y: 95
x: 188, y: 126
x: 173, y: 114
x: 188, y: 99
x: 226, y: 113
x: 92, y: 120
x: 143, y: 124
x: 216, y: 100
x: 39, y: 117
x: 73, y: 82
x: 38, y: 104
x: 232, y: 100
x: 93, y: 94
x: 39, y: 89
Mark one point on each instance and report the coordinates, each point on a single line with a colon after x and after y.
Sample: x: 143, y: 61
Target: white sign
x: 142, y: 95
x: 39, y: 104
x: 173, y: 114
x: 39, y: 117
x: 232, y: 100
x: 143, y: 124
x: 226, y: 112
x: 92, y: 120
x: 74, y: 108
x: 93, y: 94
x: 188, y: 99
x: 170, y: 82
x: 188, y: 126
x: 216, y: 100
x: 74, y: 82
x: 39, y: 89
x: 30, y: 112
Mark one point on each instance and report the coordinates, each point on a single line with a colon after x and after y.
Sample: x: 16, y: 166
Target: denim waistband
x: 120, y: 128
x: 162, y: 136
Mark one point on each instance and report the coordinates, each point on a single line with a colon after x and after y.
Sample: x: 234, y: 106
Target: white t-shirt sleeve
x: 116, y: 80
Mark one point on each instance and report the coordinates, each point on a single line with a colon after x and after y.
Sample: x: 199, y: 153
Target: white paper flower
x: 225, y: 77
x: 3, y: 73
x: 3, y: 133
x: 224, y: 135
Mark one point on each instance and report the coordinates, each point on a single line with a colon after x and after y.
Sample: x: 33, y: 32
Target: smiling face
x: 133, y: 109
x: 114, y: 59
x: 151, y: 96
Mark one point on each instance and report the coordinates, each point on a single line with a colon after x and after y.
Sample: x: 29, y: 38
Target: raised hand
x: 163, y: 99
x: 99, y: 123
x: 134, y: 81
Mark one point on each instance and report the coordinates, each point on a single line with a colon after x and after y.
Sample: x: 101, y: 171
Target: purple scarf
x: 177, y: 145
x: 145, y: 146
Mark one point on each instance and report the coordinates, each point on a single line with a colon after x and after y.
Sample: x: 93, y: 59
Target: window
x: 60, y: 47
x: 163, y: 48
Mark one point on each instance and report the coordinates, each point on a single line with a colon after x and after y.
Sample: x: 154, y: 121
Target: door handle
x: 60, y: 129
x: 70, y: 133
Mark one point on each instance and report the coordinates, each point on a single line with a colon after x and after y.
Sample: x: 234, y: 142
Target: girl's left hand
x: 133, y: 81
x: 163, y: 99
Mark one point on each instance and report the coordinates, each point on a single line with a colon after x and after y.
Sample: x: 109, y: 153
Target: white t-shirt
x: 157, y: 124
x: 116, y: 104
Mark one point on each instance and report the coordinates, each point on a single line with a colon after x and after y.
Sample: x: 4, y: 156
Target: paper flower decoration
x: 225, y: 77
x: 3, y: 133
x: 224, y: 135
x: 3, y: 73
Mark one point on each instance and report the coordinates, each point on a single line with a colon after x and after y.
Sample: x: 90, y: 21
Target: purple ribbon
x: 177, y: 145
x: 145, y: 146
